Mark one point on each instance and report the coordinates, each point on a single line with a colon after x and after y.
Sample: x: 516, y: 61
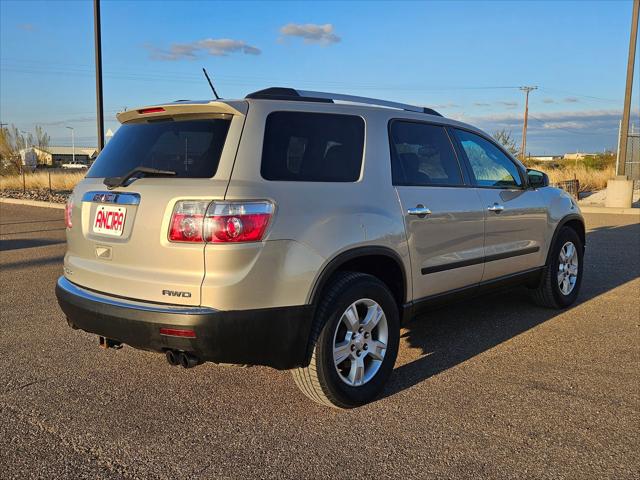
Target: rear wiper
x: 113, y: 182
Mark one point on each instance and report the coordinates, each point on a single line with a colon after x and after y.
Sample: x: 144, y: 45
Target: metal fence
x: 570, y: 186
x: 632, y: 162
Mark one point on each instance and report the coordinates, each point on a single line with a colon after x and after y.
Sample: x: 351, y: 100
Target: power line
x: 592, y: 97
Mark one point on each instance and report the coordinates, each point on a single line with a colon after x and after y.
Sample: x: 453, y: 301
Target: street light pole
x: 624, y: 135
x: 73, y: 145
x: 26, y: 139
x: 98, y: 46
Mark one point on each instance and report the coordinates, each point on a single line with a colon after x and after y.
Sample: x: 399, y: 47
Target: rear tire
x: 354, y: 342
x: 562, y: 277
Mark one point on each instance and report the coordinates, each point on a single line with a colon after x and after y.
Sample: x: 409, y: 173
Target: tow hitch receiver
x: 109, y: 343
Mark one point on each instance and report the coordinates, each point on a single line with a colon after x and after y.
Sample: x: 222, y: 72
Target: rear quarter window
x: 312, y: 147
x: 191, y: 148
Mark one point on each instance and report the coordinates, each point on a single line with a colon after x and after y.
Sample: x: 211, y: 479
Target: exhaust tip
x: 188, y: 360
x: 172, y: 358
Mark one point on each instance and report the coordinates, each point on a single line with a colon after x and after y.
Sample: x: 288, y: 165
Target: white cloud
x: 311, y: 33
x: 27, y: 27
x: 569, y: 124
x: 189, y: 51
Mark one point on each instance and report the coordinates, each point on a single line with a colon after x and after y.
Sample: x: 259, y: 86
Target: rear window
x: 422, y: 155
x: 312, y: 147
x: 191, y: 148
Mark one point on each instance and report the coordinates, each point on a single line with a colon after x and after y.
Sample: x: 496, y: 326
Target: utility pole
x: 624, y: 135
x: 98, y: 46
x: 526, y: 90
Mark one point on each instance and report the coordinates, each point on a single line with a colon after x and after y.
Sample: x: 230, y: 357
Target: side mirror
x: 537, y: 179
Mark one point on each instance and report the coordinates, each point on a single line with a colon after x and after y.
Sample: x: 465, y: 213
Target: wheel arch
x: 573, y: 221
x: 381, y: 262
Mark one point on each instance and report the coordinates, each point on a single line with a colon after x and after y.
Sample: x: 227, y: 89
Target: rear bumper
x: 275, y: 337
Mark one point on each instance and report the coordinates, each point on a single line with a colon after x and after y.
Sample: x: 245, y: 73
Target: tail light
x: 220, y: 222
x: 187, y: 221
x: 237, y: 221
x: 68, y: 210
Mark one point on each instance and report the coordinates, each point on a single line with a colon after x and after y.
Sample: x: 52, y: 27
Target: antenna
x: 215, y: 94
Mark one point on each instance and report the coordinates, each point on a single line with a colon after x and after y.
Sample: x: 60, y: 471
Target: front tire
x: 562, y: 278
x: 354, y: 342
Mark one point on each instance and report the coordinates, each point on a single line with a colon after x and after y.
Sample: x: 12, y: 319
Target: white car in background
x: 75, y: 166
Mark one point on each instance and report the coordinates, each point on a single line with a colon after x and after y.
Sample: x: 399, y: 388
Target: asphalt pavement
x: 493, y: 388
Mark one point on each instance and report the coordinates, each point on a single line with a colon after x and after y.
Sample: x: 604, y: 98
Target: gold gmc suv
x: 299, y: 229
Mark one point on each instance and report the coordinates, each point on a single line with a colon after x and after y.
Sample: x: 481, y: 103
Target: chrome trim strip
x: 74, y: 289
x: 118, y: 198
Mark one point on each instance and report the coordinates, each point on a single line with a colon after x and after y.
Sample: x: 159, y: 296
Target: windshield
x: 191, y: 148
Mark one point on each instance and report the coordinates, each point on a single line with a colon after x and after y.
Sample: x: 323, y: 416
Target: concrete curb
x: 610, y: 210
x: 32, y: 203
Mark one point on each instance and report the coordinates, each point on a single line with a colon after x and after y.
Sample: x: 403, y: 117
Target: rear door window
x: 422, y: 155
x: 312, y: 147
x: 191, y: 148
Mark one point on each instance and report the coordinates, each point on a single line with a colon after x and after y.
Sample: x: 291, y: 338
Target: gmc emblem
x: 175, y: 293
x: 105, y: 197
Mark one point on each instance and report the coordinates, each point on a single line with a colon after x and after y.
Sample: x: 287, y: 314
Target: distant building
x: 56, y: 156
x: 546, y: 158
x: 578, y: 156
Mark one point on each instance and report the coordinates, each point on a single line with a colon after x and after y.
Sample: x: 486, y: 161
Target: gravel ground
x: 41, y: 195
x: 494, y: 388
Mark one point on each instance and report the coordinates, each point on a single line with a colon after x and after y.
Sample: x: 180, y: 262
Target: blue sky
x: 465, y: 59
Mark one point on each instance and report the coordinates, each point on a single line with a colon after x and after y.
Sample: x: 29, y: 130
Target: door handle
x: 496, y: 208
x: 419, y: 210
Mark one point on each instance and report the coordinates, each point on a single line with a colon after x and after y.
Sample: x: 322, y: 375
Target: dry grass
x: 590, y: 179
x: 40, y: 181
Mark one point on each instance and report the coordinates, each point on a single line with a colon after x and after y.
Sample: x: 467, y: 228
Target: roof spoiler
x: 184, y: 107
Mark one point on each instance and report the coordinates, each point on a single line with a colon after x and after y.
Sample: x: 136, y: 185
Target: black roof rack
x: 283, y: 93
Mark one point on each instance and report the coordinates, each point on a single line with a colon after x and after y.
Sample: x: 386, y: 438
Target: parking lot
x: 494, y: 388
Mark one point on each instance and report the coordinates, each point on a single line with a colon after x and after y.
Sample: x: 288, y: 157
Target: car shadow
x: 451, y: 335
x: 34, y: 262
x: 20, y: 243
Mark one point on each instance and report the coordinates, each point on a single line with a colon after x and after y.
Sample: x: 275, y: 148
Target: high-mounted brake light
x: 151, y: 110
x: 68, y: 210
x: 220, y: 222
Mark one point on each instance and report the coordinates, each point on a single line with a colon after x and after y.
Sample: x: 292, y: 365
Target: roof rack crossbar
x: 308, y: 95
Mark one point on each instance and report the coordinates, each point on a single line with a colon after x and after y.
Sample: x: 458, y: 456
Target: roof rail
x: 280, y: 93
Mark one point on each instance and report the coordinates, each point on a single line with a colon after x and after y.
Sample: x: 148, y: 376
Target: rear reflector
x: 177, y: 332
x: 68, y: 210
x: 151, y: 110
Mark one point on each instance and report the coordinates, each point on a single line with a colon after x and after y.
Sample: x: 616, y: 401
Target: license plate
x: 109, y: 220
